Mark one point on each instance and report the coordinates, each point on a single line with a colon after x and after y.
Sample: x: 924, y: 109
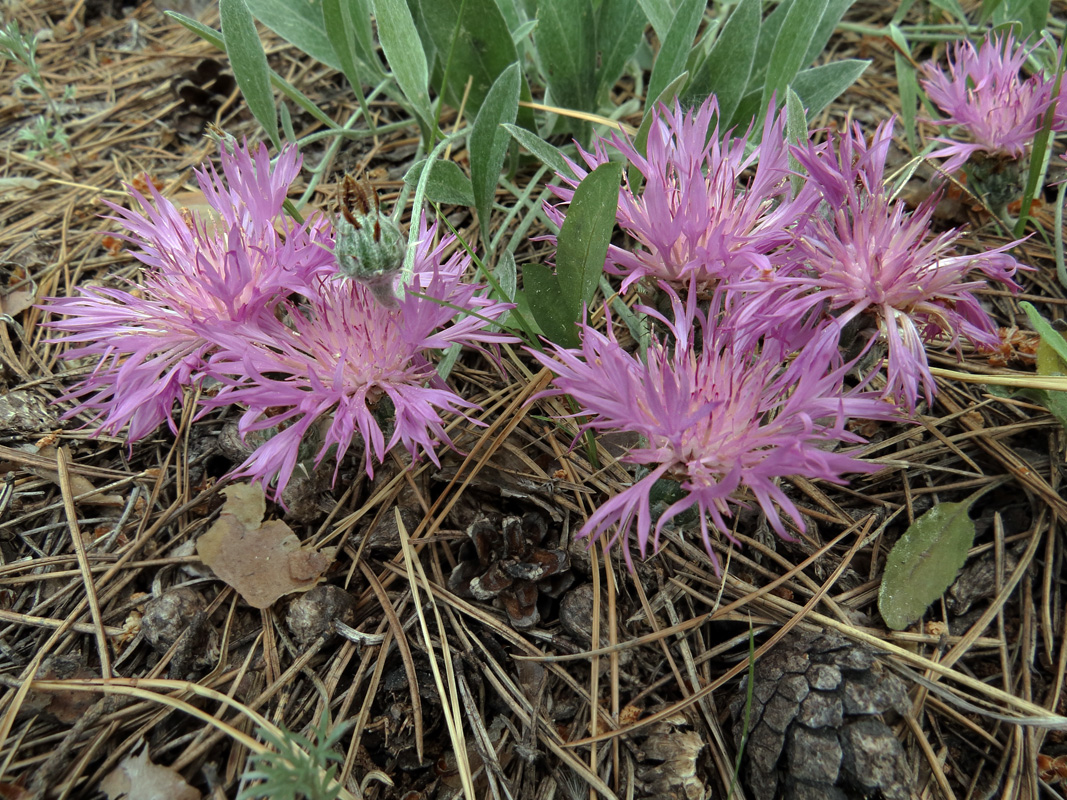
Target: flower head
x: 344, y: 353
x: 723, y: 408
x: 203, y: 275
x: 697, y: 219
x: 870, y: 256
x: 984, y: 93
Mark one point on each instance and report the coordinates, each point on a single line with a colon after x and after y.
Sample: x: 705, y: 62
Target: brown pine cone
x: 510, y: 562
x: 815, y: 730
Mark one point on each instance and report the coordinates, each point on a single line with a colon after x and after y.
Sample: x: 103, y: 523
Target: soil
x: 131, y: 639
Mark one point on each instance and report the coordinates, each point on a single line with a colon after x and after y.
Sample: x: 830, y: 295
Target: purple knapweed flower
x: 870, y: 256
x: 984, y: 93
x: 697, y: 218
x: 722, y: 408
x: 335, y: 359
x: 203, y: 275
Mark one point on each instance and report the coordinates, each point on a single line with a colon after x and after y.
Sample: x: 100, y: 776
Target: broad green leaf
x: 1030, y: 15
x: 522, y: 308
x: 249, y: 64
x: 620, y: 25
x: 675, y: 47
x: 300, y: 24
x: 583, y: 240
x: 660, y: 14
x: 556, y: 298
x: 1049, y: 335
x: 473, y: 44
x: 347, y: 24
x: 549, y: 154
x: 566, y: 42
x: 924, y: 562
x: 726, y: 70
x: 821, y: 85
x: 403, y: 50
x: 447, y: 183
x: 791, y: 47
x: 541, y: 292
x: 489, y: 142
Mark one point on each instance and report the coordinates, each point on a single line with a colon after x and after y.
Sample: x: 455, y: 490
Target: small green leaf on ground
x: 924, y: 562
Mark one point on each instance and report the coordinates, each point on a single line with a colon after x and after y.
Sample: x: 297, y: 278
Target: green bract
x: 369, y: 245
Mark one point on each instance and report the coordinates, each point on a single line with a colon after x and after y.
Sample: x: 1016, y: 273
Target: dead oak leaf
x: 137, y: 778
x: 261, y: 560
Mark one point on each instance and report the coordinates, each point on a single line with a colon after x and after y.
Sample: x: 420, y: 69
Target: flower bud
x: 369, y: 246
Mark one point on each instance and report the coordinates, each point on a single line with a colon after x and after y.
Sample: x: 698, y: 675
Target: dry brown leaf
x: 261, y: 560
x: 14, y: 303
x: 79, y: 484
x: 137, y: 778
x: 66, y: 707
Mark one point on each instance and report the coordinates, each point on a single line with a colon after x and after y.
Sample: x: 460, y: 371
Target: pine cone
x: 504, y: 562
x: 815, y: 730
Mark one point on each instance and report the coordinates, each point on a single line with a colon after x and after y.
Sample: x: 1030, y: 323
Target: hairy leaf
x: 556, y: 298
x: 249, y: 64
x: 489, y: 141
x: 924, y: 562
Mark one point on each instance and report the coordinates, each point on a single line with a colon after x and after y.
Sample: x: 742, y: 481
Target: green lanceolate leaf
x: 549, y: 154
x: 790, y: 47
x: 832, y: 12
x: 908, y: 84
x: 924, y: 562
x: 674, y: 52
x: 796, y: 130
x: 619, y: 27
x: 249, y: 64
x: 566, y: 42
x: 727, y: 69
x: 300, y: 24
x: 556, y: 299
x: 821, y: 85
x: 403, y: 50
x: 347, y: 24
x: 488, y: 143
x: 660, y: 14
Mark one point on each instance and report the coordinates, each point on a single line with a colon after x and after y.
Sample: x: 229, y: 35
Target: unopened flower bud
x: 369, y: 246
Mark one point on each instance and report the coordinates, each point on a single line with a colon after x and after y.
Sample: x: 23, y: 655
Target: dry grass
x: 446, y: 696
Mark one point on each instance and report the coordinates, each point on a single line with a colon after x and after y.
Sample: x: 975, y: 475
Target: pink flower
x: 984, y: 93
x: 338, y: 359
x: 202, y: 276
x: 696, y: 217
x: 724, y: 409
x: 869, y: 256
